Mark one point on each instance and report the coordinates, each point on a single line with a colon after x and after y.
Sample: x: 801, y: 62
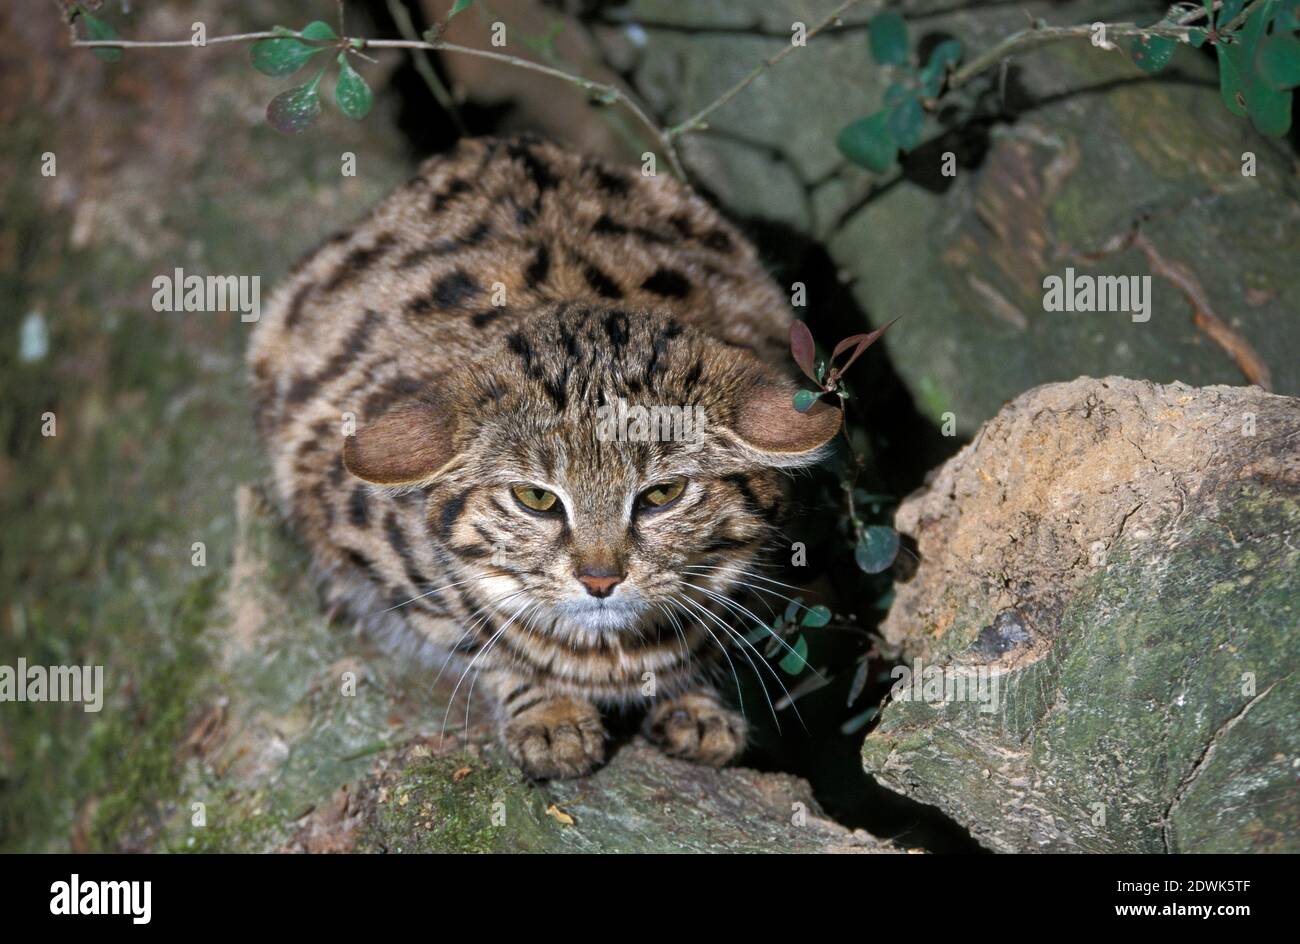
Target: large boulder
x: 1109, y: 583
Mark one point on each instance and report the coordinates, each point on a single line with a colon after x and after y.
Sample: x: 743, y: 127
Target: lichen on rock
x: 1121, y: 557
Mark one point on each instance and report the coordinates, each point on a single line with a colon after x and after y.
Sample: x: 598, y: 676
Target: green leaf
x: 1152, y: 53
x: 98, y: 30
x: 859, y: 683
x: 1270, y: 110
x: 905, y: 121
x: 351, y: 93
x: 816, y: 617
x: 1278, y: 61
x: 876, y: 549
x: 460, y: 6
x: 1243, y: 90
x: 868, y: 143
x: 858, y: 721
x: 804, y: 399
x: 896, y: 93
x: 319, y: 31
x: 1231, y: 87
x: 281, y: 56
x: 888, y: 39
x: 296, y: 110
x: 774, y: 645
x: 796, y: 659
x: 1288, y: 17
x: 1196, y: 37
x: 791, y: 611
x: 947, y: 53
x: 944, y: 56
x: 1228, y: 12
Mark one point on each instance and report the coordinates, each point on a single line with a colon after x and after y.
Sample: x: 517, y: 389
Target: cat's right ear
x: 408, y: 445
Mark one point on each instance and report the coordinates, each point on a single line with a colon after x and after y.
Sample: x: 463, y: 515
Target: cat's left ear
x: 409, y: 444
x: 771, y: 431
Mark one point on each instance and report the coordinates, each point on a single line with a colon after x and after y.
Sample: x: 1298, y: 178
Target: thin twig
x: 402, y: 17
x: 601, y: 91
x: 1039, y: 34
x: 696, y: 122
x: 172, y: 43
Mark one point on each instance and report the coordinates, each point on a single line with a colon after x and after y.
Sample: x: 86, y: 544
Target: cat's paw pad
x: 557, y: 738
x: 696, y: 727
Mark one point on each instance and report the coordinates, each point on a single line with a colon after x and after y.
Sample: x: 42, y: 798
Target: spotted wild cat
x: 471, y: 329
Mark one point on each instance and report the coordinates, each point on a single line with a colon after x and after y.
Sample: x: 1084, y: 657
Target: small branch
x: 402, y: 17
x: 1038, y: 35
x: 601, y: 91
x: 173, y: 43
x: 696, y: 122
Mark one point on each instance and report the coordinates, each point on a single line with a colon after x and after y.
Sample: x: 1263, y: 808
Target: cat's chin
x: 605, y: 616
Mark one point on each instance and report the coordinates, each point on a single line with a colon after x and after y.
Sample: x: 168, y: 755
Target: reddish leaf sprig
x: 827, y: 376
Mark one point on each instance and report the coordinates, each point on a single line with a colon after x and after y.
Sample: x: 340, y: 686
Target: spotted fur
x: 460, y: 341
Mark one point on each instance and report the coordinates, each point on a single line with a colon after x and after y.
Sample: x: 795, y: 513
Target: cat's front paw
x: 556, y: 738
x: 697, y: 727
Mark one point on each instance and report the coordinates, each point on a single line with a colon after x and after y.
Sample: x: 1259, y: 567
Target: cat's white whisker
x: 758, y: 622
x: 491, y: 642
x: 475, y: 621
x: 733, y: 634
x: 469, y: 698
x: 458, y: 583
x: 680, y: 601
x: 757, y: 589
x: 744, y: 641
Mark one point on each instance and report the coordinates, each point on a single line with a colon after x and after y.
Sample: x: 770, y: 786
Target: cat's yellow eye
x: 536, y: 499
x: 663, y: 494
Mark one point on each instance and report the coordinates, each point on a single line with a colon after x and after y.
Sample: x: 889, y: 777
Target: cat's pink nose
x: 599, y: 584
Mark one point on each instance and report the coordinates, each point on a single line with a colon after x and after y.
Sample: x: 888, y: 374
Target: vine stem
x: 1039, y: 34
x: 402, y: 17
x: 601, y: 91
x: 697, y: 120
x: 173, y: 43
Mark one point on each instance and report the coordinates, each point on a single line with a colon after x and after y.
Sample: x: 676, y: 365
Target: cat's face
x: 605, y: 472
x: 596, y: 531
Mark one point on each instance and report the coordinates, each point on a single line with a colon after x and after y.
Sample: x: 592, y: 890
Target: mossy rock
x: 162, y: 160
x: 1121, y: 559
